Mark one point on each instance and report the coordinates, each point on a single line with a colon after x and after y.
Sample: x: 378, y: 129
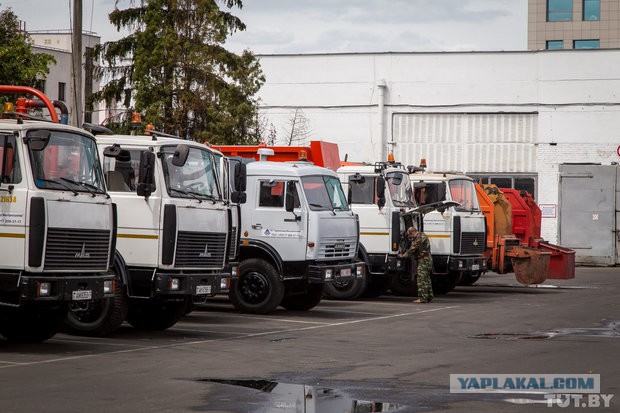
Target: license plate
x: 82, y: 295
x: 475, y: 267
x: 345, y: 272
x: 203, y: 289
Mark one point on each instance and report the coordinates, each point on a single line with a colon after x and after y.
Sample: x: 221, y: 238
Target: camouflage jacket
x: 419, y: 248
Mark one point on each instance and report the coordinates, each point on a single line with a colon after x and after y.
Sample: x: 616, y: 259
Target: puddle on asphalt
x: 609, y: 329
x: 300, y: 398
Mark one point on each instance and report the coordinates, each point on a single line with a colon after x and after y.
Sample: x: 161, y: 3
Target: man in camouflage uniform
x: 420, y: 249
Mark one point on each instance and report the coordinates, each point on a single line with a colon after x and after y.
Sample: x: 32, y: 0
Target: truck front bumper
x: 65, y: 288
x: 325, y: 273
x: 189, y: 284
x: 468, y: 264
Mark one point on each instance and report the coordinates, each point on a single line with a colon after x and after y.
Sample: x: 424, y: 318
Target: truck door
x: 285, y: 231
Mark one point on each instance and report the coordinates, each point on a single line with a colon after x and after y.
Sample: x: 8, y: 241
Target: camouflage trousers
x: 425, y: 287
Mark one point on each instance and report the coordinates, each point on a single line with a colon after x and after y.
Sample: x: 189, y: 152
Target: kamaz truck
x: 297, y: 235
x: 173, y: 235
x: 57, y: 222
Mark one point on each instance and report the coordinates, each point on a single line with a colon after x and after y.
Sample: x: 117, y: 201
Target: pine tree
x: 174, y: 69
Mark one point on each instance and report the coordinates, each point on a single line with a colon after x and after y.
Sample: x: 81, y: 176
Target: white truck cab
x: 297, y: 233
x: 173, y: 231
x: 57, y: 226
x: 458, y: 233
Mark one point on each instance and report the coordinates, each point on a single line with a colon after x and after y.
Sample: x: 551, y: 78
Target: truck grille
x: 473, y: 243
x: 200, y: 249
x: 77, y: 249
x: 232, y: 253
x: 337, y: 248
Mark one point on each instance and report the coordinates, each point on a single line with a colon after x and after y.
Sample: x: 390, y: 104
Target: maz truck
x: 57, y: 222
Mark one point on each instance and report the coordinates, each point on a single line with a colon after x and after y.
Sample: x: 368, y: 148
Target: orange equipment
x: 23, y: 104
x: 513, y: 231
x: 320, y: 153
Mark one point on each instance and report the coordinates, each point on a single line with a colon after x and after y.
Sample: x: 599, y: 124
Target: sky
x: 330, y: 26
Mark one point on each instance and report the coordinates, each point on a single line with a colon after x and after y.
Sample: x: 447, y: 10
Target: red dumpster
x: 562, y: 263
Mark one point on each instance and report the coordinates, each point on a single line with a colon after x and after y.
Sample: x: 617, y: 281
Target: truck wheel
x: 443, y: 284
x: 155, y: 314
x: 346, y: 290
x: 304, y: 302
x: 470, y: 278
x: 31, y: 326
x: 377, y: 287
x: 402, y: 285
x: 258, y: 290
x: 97, y: 318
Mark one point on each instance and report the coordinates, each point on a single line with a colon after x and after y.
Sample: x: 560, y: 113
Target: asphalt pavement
x: 386, y: 354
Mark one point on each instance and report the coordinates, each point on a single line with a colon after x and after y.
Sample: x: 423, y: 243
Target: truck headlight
x: 359, y: 270
x: 329, y: 274
x: 224, y: 283
x: 44, y: 289
x: 175, y: 284
x: 108, y: 287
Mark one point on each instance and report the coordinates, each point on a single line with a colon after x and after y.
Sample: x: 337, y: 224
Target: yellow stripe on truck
x: 137, y: 236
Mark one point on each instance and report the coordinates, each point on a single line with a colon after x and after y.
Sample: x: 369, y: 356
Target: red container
x: 562, y: 262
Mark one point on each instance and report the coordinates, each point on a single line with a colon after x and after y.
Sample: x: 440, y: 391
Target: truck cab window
x: 271, y: 194
x: 363, y: 192
x: 9, y: 164
x: 430, y: 192
x: 122, y: 176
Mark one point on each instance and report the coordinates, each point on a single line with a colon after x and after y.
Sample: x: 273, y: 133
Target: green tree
x: 174, y: 69
x: 19, y: 66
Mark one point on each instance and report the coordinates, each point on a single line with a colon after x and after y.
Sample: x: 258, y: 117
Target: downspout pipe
x: 381, y: 85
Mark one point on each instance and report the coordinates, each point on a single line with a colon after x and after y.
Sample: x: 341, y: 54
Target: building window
x: 39, y: 84
x: 559, y: 10
x: 555, y: 44
x: 62, y: 86
x: 521, y: 182
x: 586, y: 44
x: 592, y: 10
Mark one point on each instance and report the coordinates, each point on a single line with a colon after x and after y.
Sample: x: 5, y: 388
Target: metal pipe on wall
x: 382, y: 139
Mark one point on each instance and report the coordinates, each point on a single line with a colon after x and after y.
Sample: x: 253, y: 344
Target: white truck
x: 379, y: 194
x: 457, y: 234
x: 297, y: 234
x: 57, y: 223
x: 173, y: 231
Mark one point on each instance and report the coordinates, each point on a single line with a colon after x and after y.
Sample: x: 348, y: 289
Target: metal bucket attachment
x: 529, y: 264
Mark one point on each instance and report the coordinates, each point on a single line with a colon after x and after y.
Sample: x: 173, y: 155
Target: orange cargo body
x: 320, y: 153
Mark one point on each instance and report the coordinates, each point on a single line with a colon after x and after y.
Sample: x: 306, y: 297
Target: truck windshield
x: 324, y: 193
x: 463, y: 191
x: 400, y: 189
x: 69, y: 161
x: 197, y: 178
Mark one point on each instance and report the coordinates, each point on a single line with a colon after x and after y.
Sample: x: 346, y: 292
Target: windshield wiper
x: 83, y: 185
x: 191, y: 194
x: 59, y: 183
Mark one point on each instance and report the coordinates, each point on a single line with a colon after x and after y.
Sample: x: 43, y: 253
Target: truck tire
x: 377, y: 287
x: 155, y: 314
x: 443, y: 284
x: 258, y: 290
x: 31, y: 325
x: 402, y: 285
x: 346, y: 290
x: 97, y: 318
x: 304, y: 302
x: 469, y: 278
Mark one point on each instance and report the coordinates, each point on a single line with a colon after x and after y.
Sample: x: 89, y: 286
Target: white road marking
x: 239, y: 337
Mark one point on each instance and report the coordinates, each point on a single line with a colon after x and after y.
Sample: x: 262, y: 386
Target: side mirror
x: 38, y: 139
x: 115, y: 151
x: 240, y: 176
x: 380, y: 191
x: 180, y: 155
x: 289, y: 200
x: 238, y: 197
x: 146, y: 180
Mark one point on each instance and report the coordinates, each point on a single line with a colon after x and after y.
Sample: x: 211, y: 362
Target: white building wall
x: 570, y: 98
